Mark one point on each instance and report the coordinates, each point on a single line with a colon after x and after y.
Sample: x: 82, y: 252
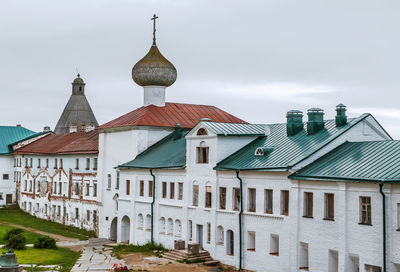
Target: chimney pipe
x: 341, y: 118
x: 294, y: 122
x: 178, y: 131
x: 46, y: 129
x: 315, y: 120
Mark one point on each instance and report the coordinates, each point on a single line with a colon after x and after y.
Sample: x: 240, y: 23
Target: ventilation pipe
x: 315, y: 120
x: 384, y: 224
x: 341, y: 118
x: 178, y: 131
x: 240, y: 219
x: 152, y: 206
x: 294, y: 122
x: 46, y: 129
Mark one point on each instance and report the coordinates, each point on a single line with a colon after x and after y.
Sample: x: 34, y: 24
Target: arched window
x: 195, y: 196
x: 202, y: 153
x: 115, y: 198
x: 208, y: 196
x: 220, y: 235
x: 162, y: 225
x: 178, y: 228
x: 230, y: 243
x: 202, y: 131
x: 170, y: 226
x: 148, y: 222
x: 140, y: 221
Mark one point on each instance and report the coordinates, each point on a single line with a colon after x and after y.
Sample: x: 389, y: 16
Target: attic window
x: 262, y: 151
x: 202, y: 131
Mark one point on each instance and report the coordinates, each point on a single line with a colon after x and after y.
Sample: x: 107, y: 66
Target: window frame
x: 329, y: 206
x: 308, y: 204
x: 367, y: 208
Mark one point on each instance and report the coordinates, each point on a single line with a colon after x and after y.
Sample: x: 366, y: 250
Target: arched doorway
x: 125, y: 229
x: 230, y: 242
x: 113, y: 229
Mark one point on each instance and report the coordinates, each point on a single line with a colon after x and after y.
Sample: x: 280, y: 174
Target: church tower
x: 154, y: 73
x: 77, y: 114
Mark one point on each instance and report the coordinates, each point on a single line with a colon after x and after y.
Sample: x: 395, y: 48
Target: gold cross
x: 154, y: 28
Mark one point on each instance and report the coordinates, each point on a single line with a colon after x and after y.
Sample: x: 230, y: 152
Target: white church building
x: 307, y: 195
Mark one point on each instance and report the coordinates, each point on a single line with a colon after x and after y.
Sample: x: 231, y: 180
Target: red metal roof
x: 73, y: 143
x: 188, y: 115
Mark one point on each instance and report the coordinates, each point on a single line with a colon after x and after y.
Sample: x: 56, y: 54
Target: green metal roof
x: 167, y: 153
x: 286, y: 150
x: 236, y: 129
x: 357, y: 161
x: 10, y: 135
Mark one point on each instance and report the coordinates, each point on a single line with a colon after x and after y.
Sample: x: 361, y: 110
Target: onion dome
x: 78, y: 80
x: 154, y: 70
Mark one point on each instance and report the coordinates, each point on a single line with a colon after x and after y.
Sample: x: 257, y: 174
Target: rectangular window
x: 251, y: 241
x: 180, y: 190
x: 274, y: 245
x: 47, y: 163
x: 30, y: 186
x: 303, y: 258
x: 329, y: 206
x: 117, y: 183
x: 251, y: 205
x: 208, y: 197
x: 26, y: 162
x: 76, y: 213
x: 398, y: 216
x: 172, y: 190
x: 6, y: 176
x: 222, y: 198
x: 88, y: 215
x: 195, y: 195
x: 190, y: 230
x: 87, y: 188
x: 94, y: 189
x: 164, y: 189
x: 202, y: 154
x: 208, y: 233
x: 87, y: 163
x: 236, y: 199
x: 94, y: 217
x: 61, y: 163
x: 60, y: 188
x: 372, y: 268
x: 76, y: 188
x: 109, y: 181
x: 365, y: 210
x: 38, y: 163
x: 55, y: 163
x: 128, y: 187
x: 77, y: 164
x: 268, y: 201
x: 31, y: 162
x: 55, y: 187
x: 58, y: 211
x: 285, y: 202
x: 308, y: 205
x: 65, y: 211
x: 94, y: 163
x: 141, y: 188
x: 150, y: 188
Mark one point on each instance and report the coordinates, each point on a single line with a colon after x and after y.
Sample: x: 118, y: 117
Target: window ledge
x: 220, y: 243
x: 108, y: 189
x: 274, y: 254
x: 251, y: 249
x: 365, y: 224
x: 305, y: 216
x: 398, y: 229
x: 303, y: 268
x: 328, y: 219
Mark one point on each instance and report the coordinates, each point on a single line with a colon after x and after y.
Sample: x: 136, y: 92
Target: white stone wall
x: 69, y: 195
x: 7, y: 185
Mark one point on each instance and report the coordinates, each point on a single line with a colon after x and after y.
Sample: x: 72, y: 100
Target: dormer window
x: 202, y: 131
x: 202, y: 153
x: 262, y: 151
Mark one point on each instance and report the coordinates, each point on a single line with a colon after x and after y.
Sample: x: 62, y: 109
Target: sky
x: 254, y: 59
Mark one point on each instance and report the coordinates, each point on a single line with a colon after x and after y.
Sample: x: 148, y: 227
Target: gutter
x: 240, y: 219
x: 384, y: 224
x: 152, y: 205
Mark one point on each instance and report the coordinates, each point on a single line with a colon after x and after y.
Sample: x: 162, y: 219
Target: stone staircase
x: 183, y: 255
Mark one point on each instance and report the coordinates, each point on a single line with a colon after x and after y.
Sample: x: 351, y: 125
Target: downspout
x: 384, y: 224
x: 240, y: 219
x: 152, y: 205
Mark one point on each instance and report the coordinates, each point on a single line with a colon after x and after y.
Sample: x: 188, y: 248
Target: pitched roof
x: 235, y: 129
x: 358, y: 161
x: 188, y: 115
x: 73, y: 143
x: 166, y: 153
x: 10, y: 135
x: 77, y: 111
x: 284, y: 151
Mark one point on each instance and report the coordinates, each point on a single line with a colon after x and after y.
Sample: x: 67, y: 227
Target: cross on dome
x: 154, y: 18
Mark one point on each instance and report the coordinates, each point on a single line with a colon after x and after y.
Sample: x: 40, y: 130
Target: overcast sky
x: 254, y: 59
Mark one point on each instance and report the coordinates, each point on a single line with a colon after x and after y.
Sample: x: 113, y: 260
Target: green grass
x: 13, y: 214
x: 30, y: 236
x: 148, y: 248
x: 60, y: 256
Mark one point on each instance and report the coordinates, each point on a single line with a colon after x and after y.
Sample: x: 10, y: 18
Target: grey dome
x: 154, y: 70
x: 78, y: 80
